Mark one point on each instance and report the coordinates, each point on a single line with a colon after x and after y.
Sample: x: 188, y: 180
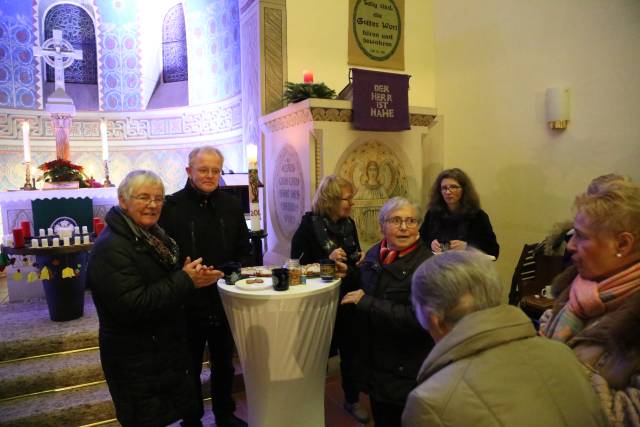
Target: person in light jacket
x: 488, y: 366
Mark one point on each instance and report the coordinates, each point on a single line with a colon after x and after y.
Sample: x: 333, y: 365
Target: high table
x: 283, y: 341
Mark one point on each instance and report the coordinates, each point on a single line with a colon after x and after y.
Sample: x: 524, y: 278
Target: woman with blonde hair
x: 328, y: 231
x: 596, y: 311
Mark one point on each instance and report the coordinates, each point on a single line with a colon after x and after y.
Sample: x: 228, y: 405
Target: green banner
x: 54, y: 213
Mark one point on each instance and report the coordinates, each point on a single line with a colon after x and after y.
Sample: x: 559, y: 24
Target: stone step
x: 84, y: 405
x: 75, y: 406
x: 49, y: 372
x: 27, y: 331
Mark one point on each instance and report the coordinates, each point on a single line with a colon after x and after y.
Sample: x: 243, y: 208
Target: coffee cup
x: 327, y: 269
x: 546, y: 292
x: 280, y: 278
x: 231, y: 272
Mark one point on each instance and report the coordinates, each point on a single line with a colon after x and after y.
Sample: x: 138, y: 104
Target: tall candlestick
x: 254, y: 203
x: 252, y: 156
x: 105, y: 142
x: 25, y: 141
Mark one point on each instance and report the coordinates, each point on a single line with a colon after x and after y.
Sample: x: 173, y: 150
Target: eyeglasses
x: 450, y: 188
x: 147, y: 199
x: 396, y: 221
x: 347, y: 199
x: 207, y: 171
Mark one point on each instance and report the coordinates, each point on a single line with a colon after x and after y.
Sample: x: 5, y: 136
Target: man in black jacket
x: 208, y: 223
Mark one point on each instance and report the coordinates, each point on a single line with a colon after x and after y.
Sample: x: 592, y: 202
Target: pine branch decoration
x: 296, y: 92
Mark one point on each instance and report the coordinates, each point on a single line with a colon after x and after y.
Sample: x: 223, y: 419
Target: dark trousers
x: 386, y: 414
x: 217, y: 335
x: 345, y: 341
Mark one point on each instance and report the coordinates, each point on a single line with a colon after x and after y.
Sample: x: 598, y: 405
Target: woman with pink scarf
x: 597, y: 306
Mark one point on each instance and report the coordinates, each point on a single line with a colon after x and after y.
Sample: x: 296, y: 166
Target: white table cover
x: 283, y: 341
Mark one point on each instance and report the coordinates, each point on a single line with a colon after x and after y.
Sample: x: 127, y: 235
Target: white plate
x: 266, y: 284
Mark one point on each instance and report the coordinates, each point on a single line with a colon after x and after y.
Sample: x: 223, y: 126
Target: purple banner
x: 380, y: 100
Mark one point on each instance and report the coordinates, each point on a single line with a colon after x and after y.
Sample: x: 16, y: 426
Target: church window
x: 174, y: 46
x: 78, y: 29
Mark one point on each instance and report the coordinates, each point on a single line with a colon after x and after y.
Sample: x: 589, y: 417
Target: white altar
x: 15, y: 207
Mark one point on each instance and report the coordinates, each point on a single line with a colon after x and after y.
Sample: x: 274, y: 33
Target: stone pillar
x: 61, y: 126
x: 264, y: 66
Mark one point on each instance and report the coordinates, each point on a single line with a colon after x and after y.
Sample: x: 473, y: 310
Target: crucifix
x: 59, y: 54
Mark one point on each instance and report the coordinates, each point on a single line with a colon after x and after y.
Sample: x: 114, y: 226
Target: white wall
x: 495, y: 59
x: 317, y: 41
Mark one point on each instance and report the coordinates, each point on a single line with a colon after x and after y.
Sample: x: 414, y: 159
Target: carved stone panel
x: 377, y: 175
x: 288, y: 193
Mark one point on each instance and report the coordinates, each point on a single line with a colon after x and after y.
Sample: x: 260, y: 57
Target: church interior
x: 157, y: 79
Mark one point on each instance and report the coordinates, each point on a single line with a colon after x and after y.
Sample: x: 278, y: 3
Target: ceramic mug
x: 280, y: 278
x: 546, y: 292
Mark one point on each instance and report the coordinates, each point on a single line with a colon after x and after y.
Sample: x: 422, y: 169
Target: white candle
x: 76, y: 230
x: 76, y: 240
x: 25, y: 141
x: 85, y: 239
x: 44, y: 243
x: 66, y: 241
x: 252, y: 156
x: 56, y: 242
x: 49, y: 231
x: 34, y: 243
x: 105, y: 142
x: 84, y: 229
x: 41, y: 232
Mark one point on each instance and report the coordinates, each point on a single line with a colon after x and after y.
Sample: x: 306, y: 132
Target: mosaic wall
x: 19, y: 79
x: 119, y: 56
x: 153, y: 140
x: 214, y: 50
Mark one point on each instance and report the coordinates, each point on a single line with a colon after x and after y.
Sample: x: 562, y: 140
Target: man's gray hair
x: 394, y: 204
x: 207, y: 149
x: 135, y: 179
x: 456, y: 283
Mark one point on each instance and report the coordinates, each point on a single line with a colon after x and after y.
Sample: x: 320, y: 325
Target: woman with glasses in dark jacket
x: 393, y: 344
x: 454, y: 219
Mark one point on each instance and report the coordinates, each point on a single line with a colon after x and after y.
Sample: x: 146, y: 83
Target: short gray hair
x: 394, y: 204
x: 441, y: 282
x: 136, y: 178
x: 207, y: 149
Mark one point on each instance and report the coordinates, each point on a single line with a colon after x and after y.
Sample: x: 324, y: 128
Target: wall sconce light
x: 557, y: 100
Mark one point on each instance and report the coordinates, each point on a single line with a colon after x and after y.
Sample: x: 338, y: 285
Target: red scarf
x: 387, y: 256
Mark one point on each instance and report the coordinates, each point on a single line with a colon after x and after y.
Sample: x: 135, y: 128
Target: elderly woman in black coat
x: 393, y: 342
x: 139, y: 291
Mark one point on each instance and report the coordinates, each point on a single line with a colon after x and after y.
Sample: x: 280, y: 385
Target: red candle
x: 96, y: 221
x: 97, y: 228
x: 18, y: 238
x: 26, y: 229
x: 307, y: 75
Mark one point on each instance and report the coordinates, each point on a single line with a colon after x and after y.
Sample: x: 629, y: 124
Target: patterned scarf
x: 387, y: 256
x: 164, y: 247
x: 589, y: 299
